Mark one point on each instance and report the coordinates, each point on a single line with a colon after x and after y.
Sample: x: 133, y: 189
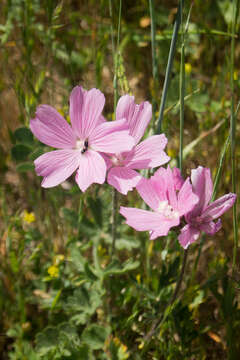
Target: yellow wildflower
x: 28, y: 217
x: 188, y: 68
x: 53, y: 271
x: 235, y: 75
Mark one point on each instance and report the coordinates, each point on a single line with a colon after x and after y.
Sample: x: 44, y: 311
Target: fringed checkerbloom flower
x: 144, y: 155
x: 161, y: 194
x: 201, y: 217
x: 82, y: 144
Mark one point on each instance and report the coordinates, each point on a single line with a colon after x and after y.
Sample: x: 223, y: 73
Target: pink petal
x: 52, y: 129
x: 123, y: 179
x: 85, y: 110
x: 186, y: 198
x: 57, y: 166
x: 141, y: 220
x: 111, y: 137
x: 148, y: 193
x: 164, y: 228
x: 148, y: 153
x: 171, y: 189
x: 178, y: 180
x: 203, y: 188
x: 92, y: 169
x: 138, y: 116
x: 188, y: 235
x: 218, y: 207
x: 211, y: 227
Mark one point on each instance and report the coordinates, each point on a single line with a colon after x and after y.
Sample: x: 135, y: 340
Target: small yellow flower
x: 53, y: 271
x: 138, y: 278
x: 141, y: 345
x: 235, y: 75
x: 172, y: 153
x: 188, y: 68
x: 28, y: 217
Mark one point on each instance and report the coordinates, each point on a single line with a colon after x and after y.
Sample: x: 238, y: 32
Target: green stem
x: 114, y: 220
x: 116, y: 62
x: 154, y: 58
x: 182, y: 93
x: 169, y: 66
x: 116, y: 96
x: 233, y: 133
x: 158, y: 322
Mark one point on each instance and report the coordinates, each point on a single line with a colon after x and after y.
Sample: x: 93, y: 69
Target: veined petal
x: 164, y: 227
x: 52, y: 129
x: 138, y: 116
x: 211, y: 227
x: 186, y: 198
x: 57, y: 166
x: 160, y: 183
x: 141, y: 220
x: 148, y: 193
x: 111, y: 137
x: 85, y: 110
x: 148, y: 153
x: 123, y: 179
x: 203, y: 188
x: 177, y: 177
x: 218, y: 207
x: 189, y: 235
x: 92, y: 169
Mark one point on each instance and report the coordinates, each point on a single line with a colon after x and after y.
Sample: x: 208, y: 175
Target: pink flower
x: 159, y: 192
x: 80, y: 143
x: 201, y: 217
x: 144, y: 155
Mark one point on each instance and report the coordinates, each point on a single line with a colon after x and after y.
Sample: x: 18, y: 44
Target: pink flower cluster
x: 98, y: 150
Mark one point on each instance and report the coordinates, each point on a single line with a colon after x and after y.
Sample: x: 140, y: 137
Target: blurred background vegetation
x: 60, y: 295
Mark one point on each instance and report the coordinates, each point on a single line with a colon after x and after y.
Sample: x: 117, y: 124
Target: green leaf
x: 95, y: 336
x: 36, y: 153
x: 88, y: 271
x: 20, y: 152
x: 24, y: 167
x: 47, y: 341
x: 23, y: 135
x: 116, y: 267
x: 128, y: 244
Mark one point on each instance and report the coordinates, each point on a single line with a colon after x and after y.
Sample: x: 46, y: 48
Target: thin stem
x: 116, y: 96
x: 182, y: 93
x: 169, y: 66
x: 154, y: 57
x: 114, y: 220
x: 116, y: 62
x: 219, y: 170
x: 112, y: 32
x: 158, y: 322
x: 233, y: 133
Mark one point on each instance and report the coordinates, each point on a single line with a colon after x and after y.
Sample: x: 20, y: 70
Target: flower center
x: 167, y: 210
x: 82, y: 145
x: 117, y: 160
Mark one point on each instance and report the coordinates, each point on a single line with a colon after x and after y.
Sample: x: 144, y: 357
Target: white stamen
x: 167, y: 210
x: 79, y: 144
